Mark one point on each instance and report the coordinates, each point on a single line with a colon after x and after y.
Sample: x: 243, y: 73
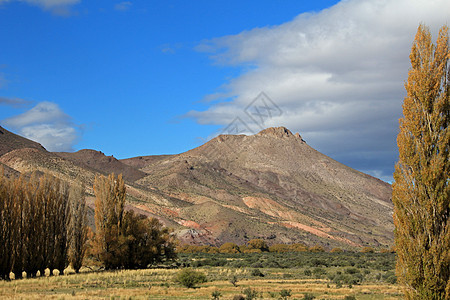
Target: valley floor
x: 373, y: 280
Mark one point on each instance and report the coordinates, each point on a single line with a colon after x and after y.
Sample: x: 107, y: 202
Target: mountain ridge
x: 271, y: 185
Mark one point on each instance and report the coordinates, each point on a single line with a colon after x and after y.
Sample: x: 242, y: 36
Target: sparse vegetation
x: 250, y: 294
x: 158, y: 284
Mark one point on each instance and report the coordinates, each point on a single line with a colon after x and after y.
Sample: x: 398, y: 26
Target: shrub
x: 234, y: 280
x: 284, y: 294
x: 189, y: 278
x: 238, y: 297
x: 229, y: 248
x: 280, y: 248
x: 258, y: 244
x: 308, y: 296
x: 308, y: 272
x: 351, y: 270
x: 216, y: 295
x: 318, y: 272
x: 316, y: 249
x: 350, y: 298
x: 390, y: 277
x: 336, y: 250
x: 250, y: 294
x: 367, y: 250
x: 257, y: 272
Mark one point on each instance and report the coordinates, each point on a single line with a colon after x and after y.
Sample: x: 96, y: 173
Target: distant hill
x: 10, y: 141
x: 99, y: 162
x: 271, y: 185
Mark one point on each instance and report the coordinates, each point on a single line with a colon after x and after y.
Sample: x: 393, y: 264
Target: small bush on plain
x: 190, y: 278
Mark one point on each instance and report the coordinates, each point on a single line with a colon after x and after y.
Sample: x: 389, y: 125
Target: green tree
x: 421, y: 192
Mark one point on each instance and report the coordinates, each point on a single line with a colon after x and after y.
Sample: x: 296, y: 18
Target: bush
x: 336, y: 250
x: 308, y: 296
x: 189, y: 278
x: 257, y: 244
x: 284, y: 294
x: 229, y: 248
x: 316, y: 249
x: 367, y: 250
x: 318, y: 272
x: 216, y: 295
x: 250, y: 294
x: 238, y: 297
x: 350, y: 298
x: 390, y: 277
x: 234, y: 280
x: 351, y: 270
x: 308, y: 272
x: 257, y: 272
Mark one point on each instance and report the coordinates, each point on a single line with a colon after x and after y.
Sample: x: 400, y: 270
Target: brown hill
x: 271, y: 185
x: 101, y: 163
x: 274, y: 186
x: 10, y: 141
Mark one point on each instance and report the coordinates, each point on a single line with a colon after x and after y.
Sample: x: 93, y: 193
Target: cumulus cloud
x: 337, y: 76
x: 47, y: 124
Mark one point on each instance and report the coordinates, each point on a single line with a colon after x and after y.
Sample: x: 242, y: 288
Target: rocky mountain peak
x: 279, y: 132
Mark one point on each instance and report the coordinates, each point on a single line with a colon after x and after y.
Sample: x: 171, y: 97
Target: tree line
x: 44, y: 225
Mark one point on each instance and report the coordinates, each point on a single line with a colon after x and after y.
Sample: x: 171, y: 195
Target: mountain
x: 271, y: 185
x: 99, y: 162
x: 10, y: 141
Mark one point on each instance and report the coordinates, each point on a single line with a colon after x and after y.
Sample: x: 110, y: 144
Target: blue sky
x: 161, y: 77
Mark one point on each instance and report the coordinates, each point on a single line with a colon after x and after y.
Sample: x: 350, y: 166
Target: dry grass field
x: 160, y: 284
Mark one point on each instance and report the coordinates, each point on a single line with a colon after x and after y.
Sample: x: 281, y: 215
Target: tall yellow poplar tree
x: 421, y: 192
x: 110, y: 194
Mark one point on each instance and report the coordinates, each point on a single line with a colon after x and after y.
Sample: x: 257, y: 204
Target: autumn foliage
x: 421, y: 192
x: 123, y: 239
x: 34, y: 214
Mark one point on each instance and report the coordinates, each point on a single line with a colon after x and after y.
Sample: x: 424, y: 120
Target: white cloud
x: 123, y: 6
x: 47, y: 124
x: 14, y: 102
x: 52, y: 3
x: 58, y: 7
x: 337, y: 75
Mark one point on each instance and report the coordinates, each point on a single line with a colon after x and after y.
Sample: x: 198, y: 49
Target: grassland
x: 324, y: 282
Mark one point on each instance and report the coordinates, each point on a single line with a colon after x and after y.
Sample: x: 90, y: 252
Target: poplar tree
x: 110, y: 194
x: 421, y: 192
x: 77, y: 229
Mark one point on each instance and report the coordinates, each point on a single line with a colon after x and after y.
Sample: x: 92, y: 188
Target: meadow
x: 258, y: 275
